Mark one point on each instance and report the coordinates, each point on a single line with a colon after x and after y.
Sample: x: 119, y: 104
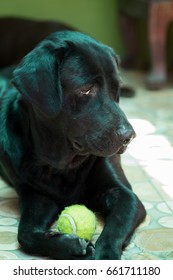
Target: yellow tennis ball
x: 79, y: 220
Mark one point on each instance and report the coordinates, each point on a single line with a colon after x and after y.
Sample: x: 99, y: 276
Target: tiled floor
x: 149, y: 166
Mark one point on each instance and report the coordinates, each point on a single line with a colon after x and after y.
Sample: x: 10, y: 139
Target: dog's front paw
x: 70, y: 246
x: 106, y: 250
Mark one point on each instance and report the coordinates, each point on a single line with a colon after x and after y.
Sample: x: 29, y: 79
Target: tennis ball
x: 79, y: 220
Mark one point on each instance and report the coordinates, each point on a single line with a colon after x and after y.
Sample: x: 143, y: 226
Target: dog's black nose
x: 125, y: 136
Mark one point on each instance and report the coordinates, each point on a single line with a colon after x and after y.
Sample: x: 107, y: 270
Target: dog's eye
x: 85, y: 92
x: 88, y: 91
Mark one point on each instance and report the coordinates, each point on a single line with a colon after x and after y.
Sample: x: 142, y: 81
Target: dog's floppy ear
x: 37, y: 78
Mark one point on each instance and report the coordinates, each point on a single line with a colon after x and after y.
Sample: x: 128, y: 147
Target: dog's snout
x: 126, y: 136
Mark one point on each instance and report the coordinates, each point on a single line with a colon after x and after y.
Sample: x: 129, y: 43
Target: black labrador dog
x: 61, y: 136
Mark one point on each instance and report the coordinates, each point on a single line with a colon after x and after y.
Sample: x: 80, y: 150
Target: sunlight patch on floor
x: 154, y: 152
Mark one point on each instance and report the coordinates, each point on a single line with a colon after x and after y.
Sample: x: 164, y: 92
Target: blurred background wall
x: 96, y: 17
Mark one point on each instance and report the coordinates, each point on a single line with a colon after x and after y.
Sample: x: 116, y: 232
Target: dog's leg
x: 121, y: 208
x: 37, y: 214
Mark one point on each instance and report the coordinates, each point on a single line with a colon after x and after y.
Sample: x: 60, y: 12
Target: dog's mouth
x: 100, y: 148
x: 106, y: 147
x: 103, y: 144
x: 122, y: 149
x: 79, y: 154
x: 77, y: 160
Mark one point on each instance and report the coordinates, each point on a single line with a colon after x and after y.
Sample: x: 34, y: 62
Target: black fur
x: 61, y: 136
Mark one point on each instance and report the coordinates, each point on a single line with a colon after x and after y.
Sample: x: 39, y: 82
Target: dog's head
x: 71, y: 83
